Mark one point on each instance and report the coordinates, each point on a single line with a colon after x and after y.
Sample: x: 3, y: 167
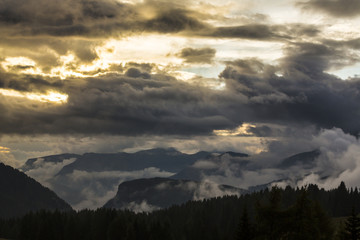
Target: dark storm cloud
x: 265, y: 31
x: 201, y: 55
x: 351, y: 44
x: 296, y: 93
x: 64, y: 18
x: 133, y: 69
x: 119, y: 104
x: 173, y: 20
x: 28, y: 83
x: 43, y: 30
x: 247, y: 31
x: 303, y: 93
x: 132, y: 101
x: 136, y: 73
x: 105, y: 18
x: 96, y: 18
x: 45, y: 51
x: 337, y: 8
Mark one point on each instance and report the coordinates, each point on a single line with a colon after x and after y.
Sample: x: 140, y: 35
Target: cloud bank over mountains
x: 267, y: 79
x: 91, y: 188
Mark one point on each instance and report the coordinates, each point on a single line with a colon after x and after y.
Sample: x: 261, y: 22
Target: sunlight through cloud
x: 50, y: 97
x: 243, y: 130
x: 4, y: 149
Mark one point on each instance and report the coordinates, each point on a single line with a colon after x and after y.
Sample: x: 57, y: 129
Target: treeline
x: 302, y: 213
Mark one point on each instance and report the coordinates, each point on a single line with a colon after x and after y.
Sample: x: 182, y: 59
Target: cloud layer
x: 108, y: 75
x: 337, y: 8
x: 297, y: 91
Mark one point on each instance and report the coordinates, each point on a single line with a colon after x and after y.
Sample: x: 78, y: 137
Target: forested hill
x: 270, y: 214
x: 20, y: 194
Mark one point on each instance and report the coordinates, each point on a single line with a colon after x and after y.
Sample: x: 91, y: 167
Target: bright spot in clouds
x: 4, y: 149
x: 241, y: 130
x: 50, y: 96
x: 14, y: 61
x: 21, y: 64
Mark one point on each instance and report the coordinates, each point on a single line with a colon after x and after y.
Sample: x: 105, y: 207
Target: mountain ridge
x: 169, y: 160
x: 155, y: 193
x: 20, y: 194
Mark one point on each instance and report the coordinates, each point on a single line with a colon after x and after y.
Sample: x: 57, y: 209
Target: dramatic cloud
x: 121, y: 104
x: 97, y: 18
x: 337, y: 162
x: 247, y: 76
x: 138, y: 102
x: 327, y: 159
x: 202, y: 55
x: 337, y: 8
x: 298, y: 90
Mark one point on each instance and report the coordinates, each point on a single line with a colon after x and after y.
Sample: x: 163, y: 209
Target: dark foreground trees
x: 304, y: 220
x: 350, y: 230
x: 287, y: 214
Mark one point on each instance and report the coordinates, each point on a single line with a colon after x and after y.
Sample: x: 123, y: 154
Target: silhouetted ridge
x: 165, y: 192
x: 168, y: 159
x: 31, y: 163
x: 306, y: 159
x: 235, y: 154
x: 20, y: 194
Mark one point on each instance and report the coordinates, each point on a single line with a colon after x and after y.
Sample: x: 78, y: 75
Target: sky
x: 262, y: 77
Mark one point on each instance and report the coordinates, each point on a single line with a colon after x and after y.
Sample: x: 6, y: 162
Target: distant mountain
x: 169, y: 160
x: 20, y: 194
x: 34, y: 163
x: 305, y: 159
x: 154, y: 193
x: 213, y: 165
x: 89, y: 180
x: 234, y: 154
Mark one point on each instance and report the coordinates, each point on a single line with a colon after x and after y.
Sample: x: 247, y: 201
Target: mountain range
x: 169, y: 160
x: 91, y: 179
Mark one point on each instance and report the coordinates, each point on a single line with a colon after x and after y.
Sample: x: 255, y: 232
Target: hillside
x: 20, y: 194
x: 156, y: 193
x: 281, y: 213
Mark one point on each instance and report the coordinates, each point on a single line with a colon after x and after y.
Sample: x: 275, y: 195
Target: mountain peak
x: 305, y: 159
x: 160, y: 151
x: 36, y: 162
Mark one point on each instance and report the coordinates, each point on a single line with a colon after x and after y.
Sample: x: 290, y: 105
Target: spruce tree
x: 245, y: 230
x: 352, y: 226
x: 269, y: 217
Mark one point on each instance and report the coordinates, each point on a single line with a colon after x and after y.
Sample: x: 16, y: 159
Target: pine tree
x: 245, y: 231
x: 352, y: 226
x: 269, y: 218
x: 341, y: 232
x: 302, y: 218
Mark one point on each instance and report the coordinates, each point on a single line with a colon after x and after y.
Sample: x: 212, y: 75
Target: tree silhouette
x: 246, y: 230
x: 352, y: 226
